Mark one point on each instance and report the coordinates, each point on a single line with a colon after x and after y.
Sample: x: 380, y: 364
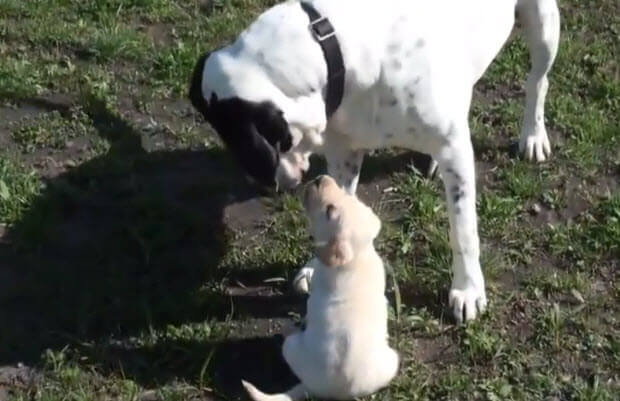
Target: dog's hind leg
x: 540, y: 20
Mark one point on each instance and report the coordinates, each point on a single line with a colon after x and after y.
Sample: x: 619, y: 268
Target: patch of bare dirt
x: 13, y: 112
x: 438, y: 349
x: 578, y: 197
x: 161, y: 34
x: 488, y: 94
x: 246, y: 216
x: 48, y: 162
x: 14, y: 378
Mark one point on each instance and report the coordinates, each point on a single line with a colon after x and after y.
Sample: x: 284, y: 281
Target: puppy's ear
x: 270, y: 122
x: 331, y: 212
x: 337, y: 252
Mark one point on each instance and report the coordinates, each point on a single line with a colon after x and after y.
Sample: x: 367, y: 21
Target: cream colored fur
x: 343, y: 353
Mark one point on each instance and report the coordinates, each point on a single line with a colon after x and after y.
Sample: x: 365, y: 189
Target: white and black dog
x: 406, y: 78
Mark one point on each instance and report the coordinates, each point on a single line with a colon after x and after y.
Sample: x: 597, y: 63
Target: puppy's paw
x: 535, y: 145
x: 467, y: 301
x: 303, y: 279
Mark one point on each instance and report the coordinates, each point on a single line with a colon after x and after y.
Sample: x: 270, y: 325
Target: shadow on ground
x: 118, y: 245
x: 125, y: 243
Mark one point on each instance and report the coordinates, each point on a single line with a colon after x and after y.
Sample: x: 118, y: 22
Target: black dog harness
x: 325, y: 34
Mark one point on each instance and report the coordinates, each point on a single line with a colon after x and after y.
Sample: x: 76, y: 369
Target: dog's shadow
x: 217, y: 366
x: 125, y: 243
x: 120, y: 245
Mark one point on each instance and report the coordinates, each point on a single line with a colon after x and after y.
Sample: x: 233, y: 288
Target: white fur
x: 343, y: 353
x: 410, y: 70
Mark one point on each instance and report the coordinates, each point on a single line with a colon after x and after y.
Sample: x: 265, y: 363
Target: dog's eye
x: 330, y: 211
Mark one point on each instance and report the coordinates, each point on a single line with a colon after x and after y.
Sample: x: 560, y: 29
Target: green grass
x: 19, y: 186
x: 134, y: 265
x: 51, y: 130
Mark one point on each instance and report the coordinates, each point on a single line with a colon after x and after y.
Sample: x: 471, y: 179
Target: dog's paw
x: 303, y: 279
x: 467, y: 301
x: 535, y: 146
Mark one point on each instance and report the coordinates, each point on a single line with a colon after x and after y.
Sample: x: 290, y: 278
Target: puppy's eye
x: 331, y: 212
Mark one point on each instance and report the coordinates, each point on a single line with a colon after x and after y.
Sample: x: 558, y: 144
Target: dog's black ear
x: 271, y: 124
x: 195, y: 87
x: 254, y: 153
x: 235, y: 121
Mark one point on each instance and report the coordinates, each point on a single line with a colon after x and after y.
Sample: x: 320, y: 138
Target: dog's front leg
x: 456, y: 164
x: 344, y: 166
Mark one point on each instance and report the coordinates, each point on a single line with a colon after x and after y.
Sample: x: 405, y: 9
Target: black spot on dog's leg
x: 457, y: 193
x: 456, y: 175
x: 394, y: 47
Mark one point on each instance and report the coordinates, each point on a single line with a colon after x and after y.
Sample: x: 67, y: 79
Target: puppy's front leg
x: 456, y: 164
x: 302, y: 282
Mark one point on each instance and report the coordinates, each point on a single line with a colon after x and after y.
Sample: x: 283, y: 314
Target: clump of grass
x: 592, y: 238
x: 18, y: 188
x: 51, y: 130
x: 20, y: 78
x: 115, y: 41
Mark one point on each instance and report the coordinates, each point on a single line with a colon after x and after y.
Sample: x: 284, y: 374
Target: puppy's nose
x: 315, y: 182
x: 319, y: 180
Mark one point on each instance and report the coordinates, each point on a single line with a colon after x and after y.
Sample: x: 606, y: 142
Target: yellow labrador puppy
x: 343, y: 353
